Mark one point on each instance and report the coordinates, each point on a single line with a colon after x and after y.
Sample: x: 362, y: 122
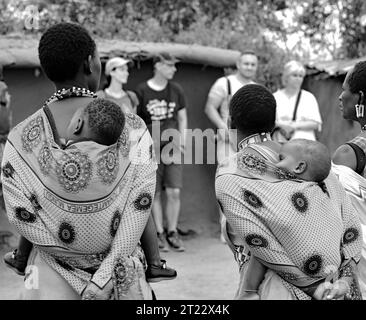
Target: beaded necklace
x: 255, y: 138
x: 69, y: 93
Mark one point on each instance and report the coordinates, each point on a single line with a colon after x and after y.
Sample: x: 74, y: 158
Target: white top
x: 219, y: 91
x: 308, y: 109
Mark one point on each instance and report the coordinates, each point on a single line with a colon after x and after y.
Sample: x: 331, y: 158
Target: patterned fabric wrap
x: 293, y: 227
x: 355, y: 186
x: 78, y: 205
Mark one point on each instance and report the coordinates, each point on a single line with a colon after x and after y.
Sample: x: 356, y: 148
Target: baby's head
x: 307, y: 159
x: 101, y: 121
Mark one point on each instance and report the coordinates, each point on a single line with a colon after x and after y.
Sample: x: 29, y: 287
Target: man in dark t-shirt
x: 162, y: 105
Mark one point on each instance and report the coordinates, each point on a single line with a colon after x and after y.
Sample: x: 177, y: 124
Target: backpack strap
x: 228, y: 84
x: 296, y: 105
x: 360, y: 157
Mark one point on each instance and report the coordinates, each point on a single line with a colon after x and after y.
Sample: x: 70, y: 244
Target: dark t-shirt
x: 161, y: 105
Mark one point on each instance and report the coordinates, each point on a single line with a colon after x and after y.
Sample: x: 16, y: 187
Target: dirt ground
x: 206, y: 270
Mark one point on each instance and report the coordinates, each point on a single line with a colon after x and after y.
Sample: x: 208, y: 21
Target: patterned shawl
x: 355, y: 186
x: 301, y: 231
x: 85, y: 207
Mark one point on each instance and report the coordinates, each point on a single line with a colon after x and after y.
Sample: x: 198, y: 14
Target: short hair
x: 290, y: 67
x: 106, y: 120
x: 165, y: 57
x: 317, y: 157
x: 62, y: 50
x: 357, y: 78
x: 247, y: 52
x: 253, y: 109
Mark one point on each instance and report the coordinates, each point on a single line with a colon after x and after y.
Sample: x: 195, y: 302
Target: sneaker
x: 174, y: 241
x: 16, y: 262
x: 159, y: 273
x: 163, y: 245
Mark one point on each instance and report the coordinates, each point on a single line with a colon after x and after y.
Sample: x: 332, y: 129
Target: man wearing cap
x: 116, y: 71
x: 217, y: 105
x: 162, y: 105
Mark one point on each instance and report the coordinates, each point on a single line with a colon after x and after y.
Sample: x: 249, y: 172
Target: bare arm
x: 305, y: 125
x: 345, y: 156
x: 212, y: 111
x: 254, y: 275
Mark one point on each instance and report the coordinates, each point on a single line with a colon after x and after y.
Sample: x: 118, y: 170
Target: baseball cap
x: 114, y: 63
x: 165, y: 58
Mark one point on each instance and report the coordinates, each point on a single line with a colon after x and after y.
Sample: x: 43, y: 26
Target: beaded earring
x: 360, y: 108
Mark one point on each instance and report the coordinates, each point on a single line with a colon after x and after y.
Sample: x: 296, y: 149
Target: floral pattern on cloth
x: 74, y: 171
x: 65, y: 200
x: 108, y: 165
x: 291, y: 226
x: 32, y: 134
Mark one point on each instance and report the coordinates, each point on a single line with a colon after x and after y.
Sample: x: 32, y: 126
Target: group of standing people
x: 295, y: 226
x: 80, y: 178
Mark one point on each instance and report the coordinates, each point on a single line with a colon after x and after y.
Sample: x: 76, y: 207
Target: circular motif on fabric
x: 24, y: 215
x: 124, y: 275
x: 120, y: 271
x: 350, y: 235
x: 107, y: 166
x: 8, y: 170
x: 66, y: 233
x: 133, y: 121
x: 124, y: 142
x: 252, y: 163
x: 143, y: 202
x: 74, y: 171
x: 115, y: 223
x: 252, y: 199
x: 34, y: 200
x: 256, y: 240
x: 313, y: 265
x: 300, y: 202
x: 31, y: 135
x: 45, y: 159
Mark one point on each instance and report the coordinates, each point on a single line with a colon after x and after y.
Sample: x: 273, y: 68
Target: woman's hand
x: 287, y: 130
x: 332, y: 291
x: 93, y: 292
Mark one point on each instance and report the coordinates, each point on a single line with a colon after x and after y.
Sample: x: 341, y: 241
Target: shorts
x: 169, y: 176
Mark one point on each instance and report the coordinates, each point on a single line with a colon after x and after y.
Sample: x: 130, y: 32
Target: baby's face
x: 290, y: 156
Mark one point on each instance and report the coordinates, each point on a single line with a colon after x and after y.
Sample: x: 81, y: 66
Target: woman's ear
x: 301, y: 167
x: 78, y: 126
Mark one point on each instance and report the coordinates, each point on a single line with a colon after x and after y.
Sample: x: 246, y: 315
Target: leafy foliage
x: 333, y: 28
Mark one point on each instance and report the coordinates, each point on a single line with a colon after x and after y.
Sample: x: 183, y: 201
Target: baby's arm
x: 254, y: 275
